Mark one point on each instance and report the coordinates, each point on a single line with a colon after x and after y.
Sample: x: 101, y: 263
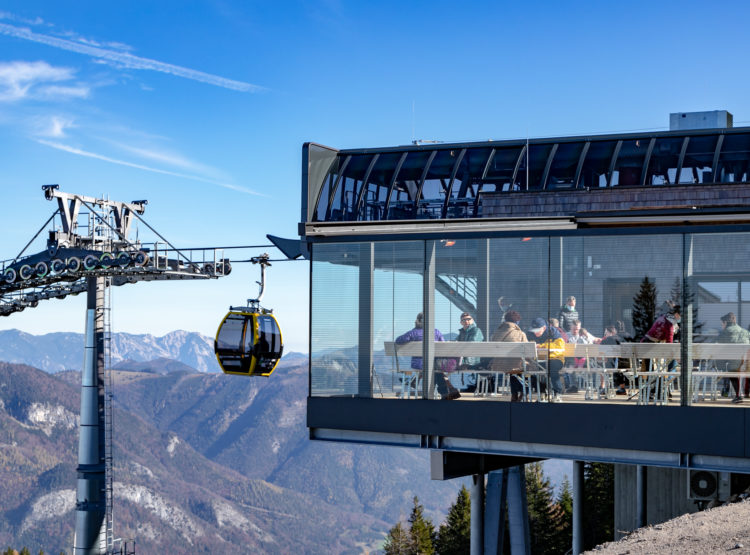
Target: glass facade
x: 422, y: 318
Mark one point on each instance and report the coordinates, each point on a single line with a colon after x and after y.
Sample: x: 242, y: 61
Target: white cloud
x: 57, y: 92
x: 53, y: 126
x: 125, y: 59
x: 9, y: 16
x: 170, y: 158
x: 18, y: 79
x: 80, y: 152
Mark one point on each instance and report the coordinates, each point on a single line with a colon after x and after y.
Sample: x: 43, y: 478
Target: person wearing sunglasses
x: 469, y: 332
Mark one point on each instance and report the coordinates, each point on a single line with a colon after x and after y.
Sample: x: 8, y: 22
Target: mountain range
x: 205, y: 463
x: 54, y: 352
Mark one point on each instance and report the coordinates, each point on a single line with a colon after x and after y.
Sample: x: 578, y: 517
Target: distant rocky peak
x: 54, y: 352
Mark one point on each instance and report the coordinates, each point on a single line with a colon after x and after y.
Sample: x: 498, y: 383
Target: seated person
x: 469, y: 332
x: 446, y: 390
x: 510, y: 331
x: 577, y: 337
x: 555, y: 323
x: 612, y: 337
x: 549, y: 339
x: 732, y: 333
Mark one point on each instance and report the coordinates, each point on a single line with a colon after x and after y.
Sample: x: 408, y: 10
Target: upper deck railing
x: 451, y: 181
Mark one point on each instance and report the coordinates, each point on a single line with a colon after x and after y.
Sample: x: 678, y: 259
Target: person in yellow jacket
x: 552, y: 355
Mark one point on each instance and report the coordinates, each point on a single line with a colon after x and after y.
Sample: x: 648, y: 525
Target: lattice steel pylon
x: 109, y: 425
x: 74, y: 262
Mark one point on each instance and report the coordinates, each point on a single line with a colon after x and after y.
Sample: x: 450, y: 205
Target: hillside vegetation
x: 205, y: 463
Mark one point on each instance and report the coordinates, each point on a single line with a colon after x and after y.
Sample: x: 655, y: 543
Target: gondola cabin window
x: 229, y: 344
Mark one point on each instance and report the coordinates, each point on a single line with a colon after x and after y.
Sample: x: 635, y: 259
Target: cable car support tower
x: 88, y: 252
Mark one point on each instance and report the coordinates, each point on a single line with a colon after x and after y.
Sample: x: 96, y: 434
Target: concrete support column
x: 578, y: 497
x: 477, y: 514
x: 641, y: 495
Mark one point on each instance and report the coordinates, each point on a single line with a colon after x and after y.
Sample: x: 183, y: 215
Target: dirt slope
x: 712, y: 531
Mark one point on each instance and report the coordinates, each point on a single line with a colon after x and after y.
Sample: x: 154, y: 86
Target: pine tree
x: 565, y: 525
x: 397, y: 542
x: 544, y: 513
x: 675, y: 296
x: 599, y: 505
x: 454, y: 537
x: 644, y: 308
x: 421, y: 531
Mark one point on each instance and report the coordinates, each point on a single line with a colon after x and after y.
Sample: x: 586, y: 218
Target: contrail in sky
x: 127, y: 60
x: 73, y: 150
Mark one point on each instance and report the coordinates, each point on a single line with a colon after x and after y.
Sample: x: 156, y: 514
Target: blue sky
x: 201, y: 107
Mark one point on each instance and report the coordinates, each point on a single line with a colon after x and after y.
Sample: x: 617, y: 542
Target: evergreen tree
x: 397, y: 542
x: 565, y: 526
x: 675, y: 296
x: 545, y: 516
x: 644, y: 308
x: 599, y: 505
x: 454, y: 537
x: 421, y: 531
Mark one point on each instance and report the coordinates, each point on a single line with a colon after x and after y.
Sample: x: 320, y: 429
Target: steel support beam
x: 366, y: 266
x: 90, y: 496
x: 428, y: 309
x: 518, y: 513
x: 477, y: 514
x: 496, y: 501
x: 686, y: 344
x: 483, y: 309
x: 641, y: 495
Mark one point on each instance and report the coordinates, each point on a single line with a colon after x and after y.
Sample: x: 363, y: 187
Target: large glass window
x: 596, y: 164
x: 500, y: 172
x: 564, y: 165
x: 371, y: 311
x: 721, y: 277
x: 699, y: 159
x: 533, y: 165
x: 401, y: 205
x: 397, y: 303
x: 662, y: 166
x: 436, y: 183
x: 629, y: 163
x: 334, y: 320
x: 733, y: 159
x: 372, y: 196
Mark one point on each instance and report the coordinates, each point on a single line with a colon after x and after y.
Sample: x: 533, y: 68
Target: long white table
x: 595, y: 370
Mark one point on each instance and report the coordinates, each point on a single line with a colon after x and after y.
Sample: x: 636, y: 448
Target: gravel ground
x: 717, y: 530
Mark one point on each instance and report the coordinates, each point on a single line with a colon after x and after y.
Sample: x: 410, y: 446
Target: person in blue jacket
x: 446, y: 390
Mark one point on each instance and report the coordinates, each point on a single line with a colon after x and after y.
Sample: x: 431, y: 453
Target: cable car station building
x: 429, y: 232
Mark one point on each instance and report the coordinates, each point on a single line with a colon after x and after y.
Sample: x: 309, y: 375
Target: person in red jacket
x: 664, y: 328
x: 662, y: 331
